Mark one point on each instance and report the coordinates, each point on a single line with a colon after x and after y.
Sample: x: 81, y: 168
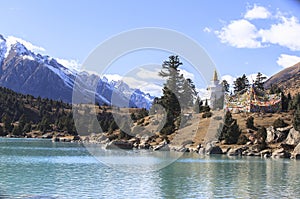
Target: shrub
x: 262, y: 134
x: 279, y: 123
x: 206, y: 114
x: 242, y: 140
x: 205, y: 109
x: 167, y: 130
x: 250, y: 122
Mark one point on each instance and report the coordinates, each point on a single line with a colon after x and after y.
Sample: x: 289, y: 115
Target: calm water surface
x: 31, y: 168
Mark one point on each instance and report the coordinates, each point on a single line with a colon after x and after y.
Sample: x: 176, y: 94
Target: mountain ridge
x: 31, y: 73
x: 287, y: 79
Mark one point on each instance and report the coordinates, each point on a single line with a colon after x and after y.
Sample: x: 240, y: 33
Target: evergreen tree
x: 171, y: 72
x: 296, y: 120
x: 241, y: 83
x: 27, y: 128
x: 230, y: 131
x: 8, y: 127
x: 188, y: 93
x: 275, y: 89
x: 17, y: 131
x: 2, y: 133
x: 198, y: 106
x: 44, y: 125
x: 22, y: 121
x: 285, y: 102
x: 125, y: 130
x: 259, y: 82
x: 113, y: 126
x: 294, y: 102
x: 225, y: 86
x: 172, y: 92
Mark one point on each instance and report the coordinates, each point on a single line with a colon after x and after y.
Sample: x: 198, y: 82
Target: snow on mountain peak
x: 11, y: 40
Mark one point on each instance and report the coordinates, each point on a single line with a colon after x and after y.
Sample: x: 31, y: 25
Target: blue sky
x: 239, y: 36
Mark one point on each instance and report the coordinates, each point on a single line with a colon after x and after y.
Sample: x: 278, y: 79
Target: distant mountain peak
x: 26, y: 71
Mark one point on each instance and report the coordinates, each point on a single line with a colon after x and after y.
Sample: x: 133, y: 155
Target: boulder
x: 163, y: 146
x: 276, y: 135
x: 201, y: 151
x: 144, y: 145
x: 47, y: 136
x: 285, y: 129
x: 280, y: 153
x: 212, y: 149
x: 235, y: 152
x: 119, y: 144
x: 266, y: 153
x: 216, y: 150
x: 296, y: 152
x: 293, y: 138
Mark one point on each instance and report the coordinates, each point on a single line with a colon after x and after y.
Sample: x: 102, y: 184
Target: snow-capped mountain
x: 31, y: 73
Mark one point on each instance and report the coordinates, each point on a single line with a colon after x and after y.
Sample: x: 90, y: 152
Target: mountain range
x: 31, y: 73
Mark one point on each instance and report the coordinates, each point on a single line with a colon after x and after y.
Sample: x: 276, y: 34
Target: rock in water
x: 119, y: 144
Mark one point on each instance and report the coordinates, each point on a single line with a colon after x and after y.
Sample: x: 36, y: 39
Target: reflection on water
x: 42, y: 169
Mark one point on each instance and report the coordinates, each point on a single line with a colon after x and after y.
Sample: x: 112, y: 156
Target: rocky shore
x: 280, y: 143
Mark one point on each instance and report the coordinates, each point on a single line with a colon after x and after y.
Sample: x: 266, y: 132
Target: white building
x: 215, y: 95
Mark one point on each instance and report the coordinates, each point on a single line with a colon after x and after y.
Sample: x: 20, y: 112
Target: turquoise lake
x: 33, y: 168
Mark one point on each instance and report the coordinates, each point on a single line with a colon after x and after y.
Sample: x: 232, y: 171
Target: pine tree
x: 27, y: 128
x: 241, y: 83
x: 8, y: 127
x: 259, y: 82
x: 225, y: 86
x: 230, y: 131
x: 188, y: 93
x: 275, y: 89
x: 17, y: 131
x: 2, y: 133
x: 296, y: 120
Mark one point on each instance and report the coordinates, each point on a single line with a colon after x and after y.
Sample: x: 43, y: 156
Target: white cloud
x: 146, y: 86
x: 187, y: 75
x: 287, y: 60
x: 285, y: 33
x: 202, y: 93
x: 239, y: 33
x: 207, y: 29
x: 242, y: 33
x: 257, y: 12
x: 71, y: 64
x: 146, y: 73
x: 230, y: 79
x: 12, y: 40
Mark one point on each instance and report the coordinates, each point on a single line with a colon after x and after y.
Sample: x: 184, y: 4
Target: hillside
x: 288, y: 80
x: 25, y: 115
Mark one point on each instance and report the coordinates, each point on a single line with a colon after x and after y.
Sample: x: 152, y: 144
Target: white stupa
x: 215, y: 95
